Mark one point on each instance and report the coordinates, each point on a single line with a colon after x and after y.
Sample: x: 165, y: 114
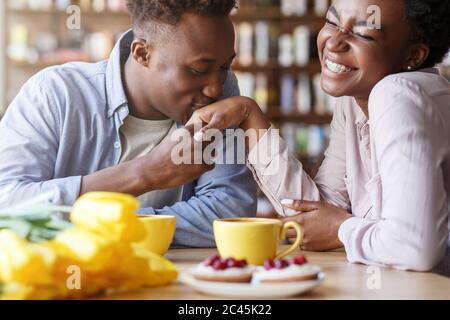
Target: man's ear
x: 417, y: 56
x: 141, y: 52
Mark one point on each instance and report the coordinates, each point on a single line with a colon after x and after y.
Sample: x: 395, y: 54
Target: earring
x: 409, y: 68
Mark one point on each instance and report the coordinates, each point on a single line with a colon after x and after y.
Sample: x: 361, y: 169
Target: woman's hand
x: 320, y: 222
x: 223, y: 114
x: 236, y: 111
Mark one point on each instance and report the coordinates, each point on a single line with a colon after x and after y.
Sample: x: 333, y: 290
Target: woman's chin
x: 334, y: 89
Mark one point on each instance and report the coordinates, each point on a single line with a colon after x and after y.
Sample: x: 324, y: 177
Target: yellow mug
x: 253, y: 239
x: 159, y: 232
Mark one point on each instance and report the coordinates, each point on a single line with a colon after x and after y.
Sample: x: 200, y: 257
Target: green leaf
x: 20, y: 227
x: 35, y: 225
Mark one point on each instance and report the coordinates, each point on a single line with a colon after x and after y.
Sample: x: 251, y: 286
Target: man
x: 84, y: 127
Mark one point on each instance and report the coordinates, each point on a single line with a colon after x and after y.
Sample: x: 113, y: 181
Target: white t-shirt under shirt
x: 139, y: 137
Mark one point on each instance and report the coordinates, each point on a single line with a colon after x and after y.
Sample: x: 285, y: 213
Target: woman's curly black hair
x: 430, y: 24
x: 171, y: 11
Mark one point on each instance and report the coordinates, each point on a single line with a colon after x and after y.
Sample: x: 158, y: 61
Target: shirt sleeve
x: 231, y: 86
x: 280, y: 174
x: 29, y: 139
x: 410, y: 231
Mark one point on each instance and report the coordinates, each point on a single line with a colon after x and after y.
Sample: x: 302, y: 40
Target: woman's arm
x: 278, y: 172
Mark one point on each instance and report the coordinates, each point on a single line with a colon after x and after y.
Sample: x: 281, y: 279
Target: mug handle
x: 298, y: 239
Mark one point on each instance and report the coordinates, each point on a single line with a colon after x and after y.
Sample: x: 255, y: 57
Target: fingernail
x: 290, y: 212
x: 198, y: 136
x: 287, y: 202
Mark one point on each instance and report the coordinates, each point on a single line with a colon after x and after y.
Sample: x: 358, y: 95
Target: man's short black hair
x: 430, y: 24
x: 169, y: 12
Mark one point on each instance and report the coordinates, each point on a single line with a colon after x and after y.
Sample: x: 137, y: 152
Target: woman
x: 383, y: 189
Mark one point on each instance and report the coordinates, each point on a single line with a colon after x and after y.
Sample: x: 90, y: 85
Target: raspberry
x: 269, y: 264
x: 233, y: 263
x: 242, y: 263
x: 210, y: 261
x: 281, y: 264
x: 219, y: 265
x: 300, y: 260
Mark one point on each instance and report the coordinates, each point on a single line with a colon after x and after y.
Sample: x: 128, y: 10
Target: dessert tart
x: 283, y: 270
x: 223, y: 270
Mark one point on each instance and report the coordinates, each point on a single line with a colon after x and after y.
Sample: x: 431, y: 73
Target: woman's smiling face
x: 355, y: 56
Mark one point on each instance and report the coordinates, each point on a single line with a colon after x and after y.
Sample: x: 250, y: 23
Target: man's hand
x: 320, y: 222
x: 161, y: 169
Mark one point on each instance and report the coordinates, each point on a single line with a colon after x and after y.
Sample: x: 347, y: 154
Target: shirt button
x: 117, y: 145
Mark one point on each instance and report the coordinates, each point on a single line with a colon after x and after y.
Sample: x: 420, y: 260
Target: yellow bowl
x: 160, y: 231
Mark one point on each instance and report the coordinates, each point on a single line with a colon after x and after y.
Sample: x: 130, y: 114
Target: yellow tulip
x: 161, y: 271
x: 23, y: 262
x: 20, y: 291
x: 90, y: 251
x: 109, y: 214
x: 98, y: 254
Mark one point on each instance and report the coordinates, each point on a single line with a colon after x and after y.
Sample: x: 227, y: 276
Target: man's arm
x: 225, y: 192
x: 29, y: 139
x: 29, y: 144
x: 154, y: 171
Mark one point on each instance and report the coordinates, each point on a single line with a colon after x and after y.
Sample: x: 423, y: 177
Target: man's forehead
x: 205, y: 41
x: 210, y: 58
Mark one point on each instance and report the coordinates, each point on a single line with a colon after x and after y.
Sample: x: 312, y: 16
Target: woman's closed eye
x: 358, y: 34
x: 364, y: 36
x: 331, y: 23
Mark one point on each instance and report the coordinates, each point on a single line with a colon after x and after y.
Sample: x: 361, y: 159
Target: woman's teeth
x: 336, y: 68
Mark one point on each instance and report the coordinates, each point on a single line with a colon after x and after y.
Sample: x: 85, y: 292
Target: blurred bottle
x: 301, y: 36
x: 287, y: 94
x: 262, y: 43
x: 245, y: 34
x: 262, y: 91
x: 304, y: 103
x: 286, y: 58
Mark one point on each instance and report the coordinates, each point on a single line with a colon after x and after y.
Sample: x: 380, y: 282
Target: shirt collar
x: 360, y: 118
x: 429, y: 70
x: 114, y: 86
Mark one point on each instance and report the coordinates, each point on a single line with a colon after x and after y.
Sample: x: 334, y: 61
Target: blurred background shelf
x: 311, y: 68
x: 277, y: 62
x: 312, y: 119
x: 106, y: 14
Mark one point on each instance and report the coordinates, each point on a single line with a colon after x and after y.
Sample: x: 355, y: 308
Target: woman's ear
x: 141, y: 52
x: 418, y: 54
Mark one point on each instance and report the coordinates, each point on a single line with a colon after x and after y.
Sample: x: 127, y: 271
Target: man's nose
x: 214, y: 87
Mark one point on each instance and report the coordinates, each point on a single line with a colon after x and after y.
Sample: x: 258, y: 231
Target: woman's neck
x: 363, y: 103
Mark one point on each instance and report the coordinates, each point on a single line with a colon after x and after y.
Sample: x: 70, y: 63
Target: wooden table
x: 343, y: 280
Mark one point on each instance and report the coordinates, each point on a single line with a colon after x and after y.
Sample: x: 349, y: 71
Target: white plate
x: 248, y: 290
